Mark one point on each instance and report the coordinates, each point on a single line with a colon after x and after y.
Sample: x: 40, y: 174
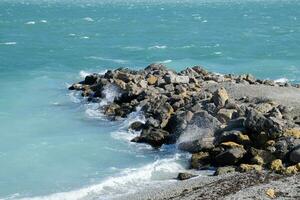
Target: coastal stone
x: 230, y: 156
x: 200, y: 159
x: 185, y: 176
x: 126, y: 77
x: 260, y: 156
x: 137, y: 126
x: 248, y: 167
x: 284, y: 145
x: 90, y: 79
x: 143, y: 84
x: 231, y: 145
x: 220, y: 97
x: 295, y: 155
x: 224, y: 170
x: 152, y: 80
x: 153, y: 136
x: 203, y: 143
x: 76, y: 86
x: 182, y: 79
x: 224, y: 115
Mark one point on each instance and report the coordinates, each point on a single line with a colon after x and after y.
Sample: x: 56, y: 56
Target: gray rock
x: 220, y: 97
x: 182, y: 79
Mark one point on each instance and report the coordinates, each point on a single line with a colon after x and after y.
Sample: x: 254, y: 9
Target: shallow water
x: 52, y: 141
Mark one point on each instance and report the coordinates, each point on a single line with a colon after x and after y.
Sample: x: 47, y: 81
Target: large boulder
x: 200, y: 160
x: 230, y: 156
x: 153, y: 136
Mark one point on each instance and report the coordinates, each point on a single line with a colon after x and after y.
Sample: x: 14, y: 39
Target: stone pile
x: 219, y: 130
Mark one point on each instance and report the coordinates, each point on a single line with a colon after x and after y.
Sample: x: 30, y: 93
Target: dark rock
x: 137, y: 126
x: 295, y: 155
x: 153, y: 136
x: 230, y: 156
x: 185, y: 176
x: 90, y: 79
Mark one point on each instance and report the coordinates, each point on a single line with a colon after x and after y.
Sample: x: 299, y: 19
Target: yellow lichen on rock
x: 248, y: 167
x: 152, y: 80
x: 231, y: 145
x: 258, y: 160
x: 277, y: 166
x: 291, y: 170
x: 271, y: 193
x: 294, y: 132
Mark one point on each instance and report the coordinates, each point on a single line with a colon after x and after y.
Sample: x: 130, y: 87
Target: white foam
x: 74, y: 97
x: 158, y: 47
x: 83, y: 74
x: 89, y: 19
x: 218, y: 53
x: 164, y: 61
x: 30, y: 23
x: 129, y: 181
x: 133, y: 48
x: 43, y: 21
x: 72, y: 34
x: 107, y: 59
x: 282, y: 80
x: 85, y: 37
x: 9, y: 43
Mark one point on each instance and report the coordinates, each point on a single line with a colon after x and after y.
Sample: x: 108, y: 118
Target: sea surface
x: 55, y: 145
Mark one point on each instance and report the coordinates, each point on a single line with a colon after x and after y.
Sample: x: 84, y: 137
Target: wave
x: 158, y: 47
x: 30, y: 23
x: 128, y: 181
x: 9, y: 43
x: 107, y: 59
x: 164, y: 61
x: 282, y: 80
x: 89, y: 19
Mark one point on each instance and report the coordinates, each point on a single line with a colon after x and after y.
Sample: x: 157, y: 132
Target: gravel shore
x: 251, y: 185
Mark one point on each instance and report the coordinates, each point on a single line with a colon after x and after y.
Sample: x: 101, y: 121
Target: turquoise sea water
x: 53, y: 145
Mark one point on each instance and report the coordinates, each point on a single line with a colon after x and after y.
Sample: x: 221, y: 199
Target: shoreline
x: 236, y: 124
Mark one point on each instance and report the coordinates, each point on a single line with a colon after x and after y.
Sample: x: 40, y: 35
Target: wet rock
x: 220, y: 97
x: 224, y: 170
x: 200, y: 159
x: 76, y: 86
x: 185, y: 176
x: 90, y: 79
x: 206, y: 142
x: 137, y: 126
x: 153, y: 136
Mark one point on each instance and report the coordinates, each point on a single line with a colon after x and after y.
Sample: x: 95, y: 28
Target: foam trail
x: 30, y: 23
x: 164, y: 61
x: 9, y: 43
x: 83, y: 74
x: 89, y: 19
x: 107, y: 59
x: 282, y: 80
x: 158, y: 47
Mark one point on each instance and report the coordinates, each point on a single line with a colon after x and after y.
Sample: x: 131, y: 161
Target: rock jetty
x: 231, y: 122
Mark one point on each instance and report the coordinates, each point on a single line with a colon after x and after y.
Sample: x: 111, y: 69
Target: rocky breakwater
x: 225, y: 121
